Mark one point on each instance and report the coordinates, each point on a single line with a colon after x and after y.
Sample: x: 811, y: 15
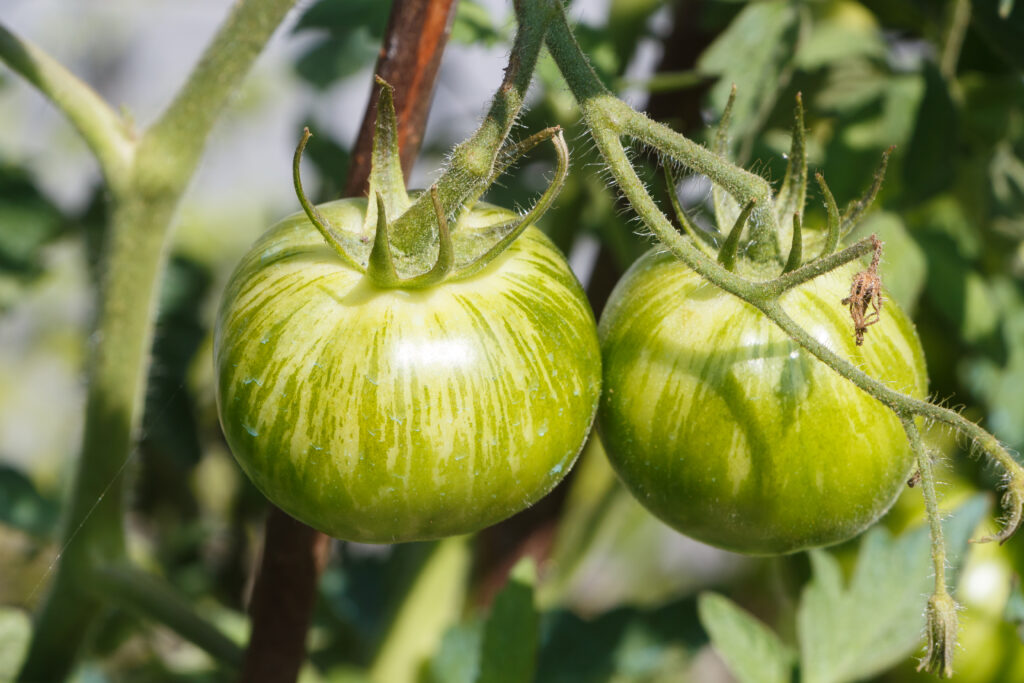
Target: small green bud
x: 942, y: 630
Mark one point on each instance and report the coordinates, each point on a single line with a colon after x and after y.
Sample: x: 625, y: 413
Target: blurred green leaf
x: 23, y: 507
x: 15, y: 631
x: 623, y: 645
x: 931, y: 158
x: 847, y: 32
x: 1000, y: 385
x: 355, y: 29
x: 28, y: 221
x: 853, y: 632
x: 458, y: 658
x: 753, y: 653
x: 754, y: 52
x: 473, y: 25
x: 1014, y: 612
x: 1003, y: 34
x: 509, y: 648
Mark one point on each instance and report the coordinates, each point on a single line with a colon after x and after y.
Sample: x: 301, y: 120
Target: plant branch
x: 143, y: 210
x: 106, y: 133
x: 410, y: 56
x: 151, y: 598
x: 171, y: 148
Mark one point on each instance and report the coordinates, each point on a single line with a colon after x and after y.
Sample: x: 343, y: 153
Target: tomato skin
x: 732, y: 434
x: 388, y: 415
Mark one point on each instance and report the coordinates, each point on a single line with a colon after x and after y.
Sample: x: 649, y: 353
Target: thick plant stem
x: 106, y: 133
x: 143, y: 208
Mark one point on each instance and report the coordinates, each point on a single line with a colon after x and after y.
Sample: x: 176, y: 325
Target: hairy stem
x: 144, y: 204
x: 472, y: 162
x: 106, y: 133
x: 931, y: 501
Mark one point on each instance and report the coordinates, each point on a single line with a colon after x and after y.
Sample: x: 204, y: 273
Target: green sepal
x: 832, y: 237
x: 796, y: 249
x: 726, y: 207
x: 386, y: 177
x: 343, y: 245
x: 727, y: 254
x: 705, y: 241
x: 516, y: 228
x: 793, y: 192
x: 857, y: 208
x: 381, y: 266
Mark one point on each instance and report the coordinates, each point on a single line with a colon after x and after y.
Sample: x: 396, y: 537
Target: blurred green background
x: 617, y: 590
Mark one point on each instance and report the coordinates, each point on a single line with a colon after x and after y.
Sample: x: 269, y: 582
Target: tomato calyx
x: 752, y: 244
x: 402, y: 246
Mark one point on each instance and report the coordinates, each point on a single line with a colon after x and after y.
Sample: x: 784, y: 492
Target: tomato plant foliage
x: 384, y: 415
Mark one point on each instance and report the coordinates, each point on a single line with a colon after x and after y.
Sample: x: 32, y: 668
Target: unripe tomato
x: 732, y: 434
x: 386, y: 415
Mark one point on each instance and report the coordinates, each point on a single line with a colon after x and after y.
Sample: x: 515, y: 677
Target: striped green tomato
x: 388, y: 415
x: 732, y: 434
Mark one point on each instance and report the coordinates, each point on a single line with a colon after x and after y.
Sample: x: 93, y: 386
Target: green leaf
x: 354, y: 28
x: 509, y: 650
x: 15, y: 631
x: 751, y: 651
x: 930, y: 162
x: 854, y: 632
x: 1014, y: 612
x: 754, y: 52
x: 473, y: 25
x: 850, y: 32
x: 23, y: 507
x: 28, y: 221
x: 458, y: 658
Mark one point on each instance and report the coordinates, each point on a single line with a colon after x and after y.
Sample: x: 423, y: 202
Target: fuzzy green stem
x: 940, y: 614
x: 143, y: 208
x: 931, y: 501
x: 604, y: 111
x: 106, y: 133
x: 151, y: 598
x: 472, y: 162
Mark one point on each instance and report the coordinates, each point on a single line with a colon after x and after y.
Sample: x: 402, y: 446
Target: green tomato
x: 388, y: 415
x: 732, y: 434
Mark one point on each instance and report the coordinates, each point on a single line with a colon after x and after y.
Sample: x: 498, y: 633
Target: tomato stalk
x: 146, y: 176
x: 941, y: 612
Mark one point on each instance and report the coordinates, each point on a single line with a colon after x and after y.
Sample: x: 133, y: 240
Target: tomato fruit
x: 732, y: 434
x: 386, y: 415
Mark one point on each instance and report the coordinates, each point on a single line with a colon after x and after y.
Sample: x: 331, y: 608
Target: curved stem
x: 106, y: 133
x: 151, y: 598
